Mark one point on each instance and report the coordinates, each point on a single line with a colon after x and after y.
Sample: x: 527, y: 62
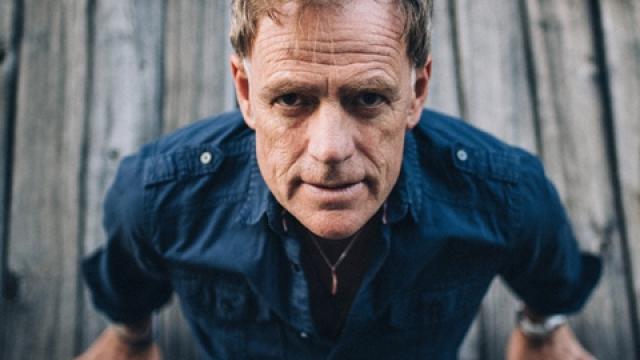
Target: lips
x: 337, y: 186
x: 333, y: 195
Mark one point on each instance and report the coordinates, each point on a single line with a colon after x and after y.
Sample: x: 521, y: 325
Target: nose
x: 331, y: 135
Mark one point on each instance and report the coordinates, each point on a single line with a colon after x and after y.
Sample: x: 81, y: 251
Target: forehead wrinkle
x: 345, y: 38
x: 348, y: 45
x: 283, y: 57
x: 337, y: 53
x: 328, y: 35
x: 335, y: 59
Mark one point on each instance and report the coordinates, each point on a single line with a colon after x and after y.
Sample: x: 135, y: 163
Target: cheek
x: 384, y: 145
x: 277, y: 149
x: 393, y: 151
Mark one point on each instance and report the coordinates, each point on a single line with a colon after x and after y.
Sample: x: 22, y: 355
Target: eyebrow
x: 286, y: 86
x: 373, y: 84
x: 376, y: 84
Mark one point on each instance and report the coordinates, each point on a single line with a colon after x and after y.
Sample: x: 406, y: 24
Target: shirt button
x: 304, y: 335
x: 462, y: 155
x: 205, y: 158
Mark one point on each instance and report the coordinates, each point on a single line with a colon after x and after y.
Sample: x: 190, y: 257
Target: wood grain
x: 621, y: 24
x: 45, y: 208
x: 197, y: 77
x: 443, y: 87
x: 8, y: 68
x: 572, y: 118
x: 126, y: 93
x: 498, y: 99
x: 494, y: 70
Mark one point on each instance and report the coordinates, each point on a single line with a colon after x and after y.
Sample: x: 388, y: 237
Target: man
x: 334, y: 218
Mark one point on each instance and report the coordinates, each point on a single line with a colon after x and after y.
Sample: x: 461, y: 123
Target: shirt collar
x: 403, y: 200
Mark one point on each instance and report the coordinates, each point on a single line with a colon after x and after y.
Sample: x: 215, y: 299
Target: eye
x: 290, y: 100
x: 369, y: 99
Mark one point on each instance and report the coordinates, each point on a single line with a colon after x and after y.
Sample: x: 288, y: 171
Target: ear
x: 241, y: 81
x: 420, y: 92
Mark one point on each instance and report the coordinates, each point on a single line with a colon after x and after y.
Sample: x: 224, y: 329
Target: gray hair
x: 246, y: 13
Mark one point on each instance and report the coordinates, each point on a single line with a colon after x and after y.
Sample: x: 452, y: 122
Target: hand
x: 561, y: 345
x: 111, y: 346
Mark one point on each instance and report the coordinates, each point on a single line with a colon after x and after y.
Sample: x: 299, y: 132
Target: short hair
x: 246, y: 13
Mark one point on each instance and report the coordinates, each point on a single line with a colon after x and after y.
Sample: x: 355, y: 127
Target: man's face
x: 330, y: 97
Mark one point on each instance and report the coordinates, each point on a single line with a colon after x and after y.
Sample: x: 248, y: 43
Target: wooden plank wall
x: 620, y: 37
x: 85, y: 82
x: 8, y: 69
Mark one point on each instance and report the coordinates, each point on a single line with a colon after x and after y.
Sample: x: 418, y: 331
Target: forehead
x: 337, y: 34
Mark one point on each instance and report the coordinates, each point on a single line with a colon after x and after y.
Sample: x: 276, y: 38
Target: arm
x: 124, y: 341
x: 548, y: 271
x: 561, y: 343
x: 126, y: 276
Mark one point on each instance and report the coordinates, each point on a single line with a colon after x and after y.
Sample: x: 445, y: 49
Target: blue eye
x: 369, y: 99
x: 290, y: 100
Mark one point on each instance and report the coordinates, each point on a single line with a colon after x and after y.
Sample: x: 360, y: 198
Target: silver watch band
x: 141, y: 337
x: 541, y: 329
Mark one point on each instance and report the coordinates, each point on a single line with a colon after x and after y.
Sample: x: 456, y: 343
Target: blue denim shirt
x: 191, y: 214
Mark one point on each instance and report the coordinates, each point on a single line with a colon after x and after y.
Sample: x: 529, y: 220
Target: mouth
x: 334, y: 187
x: 334, y: 194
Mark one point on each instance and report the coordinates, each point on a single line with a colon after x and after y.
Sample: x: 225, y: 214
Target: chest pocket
x: 230, y: 320
x: 470, y: 177
x: 435, y: 319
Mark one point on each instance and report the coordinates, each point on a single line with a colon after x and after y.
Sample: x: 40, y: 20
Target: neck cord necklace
x: 334, y: 267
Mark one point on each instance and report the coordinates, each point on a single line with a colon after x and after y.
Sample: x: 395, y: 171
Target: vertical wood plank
x: 621, y: 26
x: 443, y: 87
x: 198, y: 81
x: 8, y: 68
x: 45, y: 207
x: 198, y: 84
x: 126, y: 92
x: 572, y: 119
x: 494, y: 70
x: 498, y: 99
x: 444, y: 97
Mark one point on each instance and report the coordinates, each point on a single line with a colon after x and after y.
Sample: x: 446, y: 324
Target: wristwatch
x: 540, y: 328
x: 138, y: 336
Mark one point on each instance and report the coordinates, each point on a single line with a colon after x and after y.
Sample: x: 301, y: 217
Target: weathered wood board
x: 197, y: 71
x: 443, y: 86
x: 621, y: 25
x: 45, y: 208
x: 8, y: 69
x: 494, y: 70
x: 572, y: 120
x: 125, y: 98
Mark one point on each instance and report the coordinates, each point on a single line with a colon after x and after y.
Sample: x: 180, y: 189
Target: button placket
x: 299, y: 297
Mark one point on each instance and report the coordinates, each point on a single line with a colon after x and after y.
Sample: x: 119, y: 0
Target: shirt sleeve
x: 548, y: 271
x: 125, y: 276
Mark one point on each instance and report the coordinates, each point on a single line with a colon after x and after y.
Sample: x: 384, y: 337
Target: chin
x: 334, y: 225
